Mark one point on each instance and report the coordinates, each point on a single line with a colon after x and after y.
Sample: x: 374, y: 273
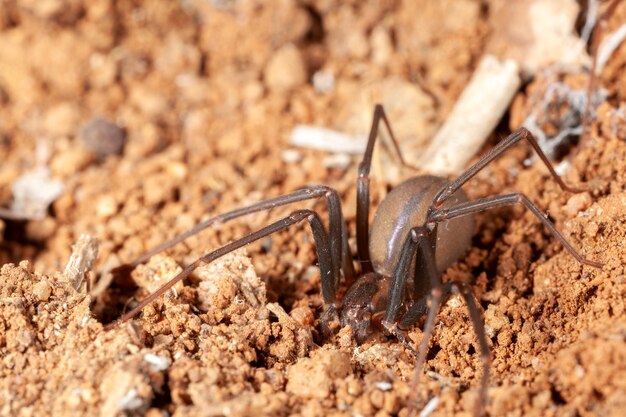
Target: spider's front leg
x: 497, y: 151
x: 436, y: 213
x: 421, y: 245
x: 341, y: 257
x: 363, y: 185
x: 324, y: 255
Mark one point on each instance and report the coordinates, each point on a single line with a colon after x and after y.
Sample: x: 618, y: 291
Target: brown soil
x: 206, y: 103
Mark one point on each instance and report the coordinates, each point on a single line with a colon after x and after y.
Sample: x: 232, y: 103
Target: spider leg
x: 363, y: 185
x: 494, y: 153
x: 337, y: 230
x: 479, y: 329
x: 486, y: 203
x: 437, y: 296
x: 418, y: 239
x: 421, y: 240
x: 324, y: 255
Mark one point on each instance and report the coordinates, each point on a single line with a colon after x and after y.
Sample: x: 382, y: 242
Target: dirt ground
x: 196, y: 101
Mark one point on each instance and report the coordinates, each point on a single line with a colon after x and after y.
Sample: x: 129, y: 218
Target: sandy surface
x: 196, y: 101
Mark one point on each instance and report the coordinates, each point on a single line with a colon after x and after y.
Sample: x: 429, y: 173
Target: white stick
x: 84, y: 254
x: 609, y: 44
x: 477, y: 112
x: 315, y: 137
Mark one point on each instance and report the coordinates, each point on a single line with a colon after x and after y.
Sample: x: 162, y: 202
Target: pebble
x: 103, y: 70
x: 382, y: 45
x: 291, y: 156
x: 177, y: 57
x: 357, y: 45
x: 383, y: 386
x: 303, y: 316
x: 61, y: 120
x: 577, y: 203
x: 33, y: 192
x: 177, y: 170
x: 149, y: 101
x: 42, y: 290
x: 106, y: 206
x: 494, y: 321
x: 323, y: 82
x: 313, y: 377
x: 25, y: 338
x: 157, y: 363
x: 377, y: 398
x: 40, y: 230
x: 103, y: 137
x: 285, y: 70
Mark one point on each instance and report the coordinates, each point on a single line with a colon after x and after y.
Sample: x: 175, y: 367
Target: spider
x: 420, y: 228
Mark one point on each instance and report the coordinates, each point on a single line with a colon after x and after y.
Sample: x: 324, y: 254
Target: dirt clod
x: 102, y: 137
x: 314, y: 377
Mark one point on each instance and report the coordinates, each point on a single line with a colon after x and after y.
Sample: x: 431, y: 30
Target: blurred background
x: 133, y: 119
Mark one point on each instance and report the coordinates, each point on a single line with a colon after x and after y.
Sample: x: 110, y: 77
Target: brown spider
x: 401, y: 257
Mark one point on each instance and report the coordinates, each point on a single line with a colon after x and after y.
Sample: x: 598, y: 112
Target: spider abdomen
x: 405, y: 207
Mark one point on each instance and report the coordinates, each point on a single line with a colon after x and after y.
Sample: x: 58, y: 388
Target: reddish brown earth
x: 206, y: 103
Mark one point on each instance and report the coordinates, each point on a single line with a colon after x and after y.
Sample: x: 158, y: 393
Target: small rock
x: 542, y: 400
x: 156, y: 272
x: 383, y: 385
x: 102, y: 70
x: 357, y: 44
x: 84, y: 254
x: 285, y: 70
x: 537, y: 33
x: 103, y: 137
x: 303, y: 316
x: 224, y: 279
x: 41, y: 230
x: 64, y: 11
x: 125, y: 390
x: 177, y: 170
x: 157, y: 363
x: 313, y: 377
x: 377, y: 398
x: 494, y: 321
x: 577, y: 203
x: 61, y: 120
x: 42, y: 290
x: 410, y: 108
x: 382, y: 45
x: 33, y: 192
x: 323, y: 81
x: 252, y: 91
x: 45, y: 9
x: 149, y: 101
x: 25, y: 338
x: 338, y: 161
x: 291, y: 156
x: 176, y: 57
x: 69, y: 161
x: 106, y: 206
